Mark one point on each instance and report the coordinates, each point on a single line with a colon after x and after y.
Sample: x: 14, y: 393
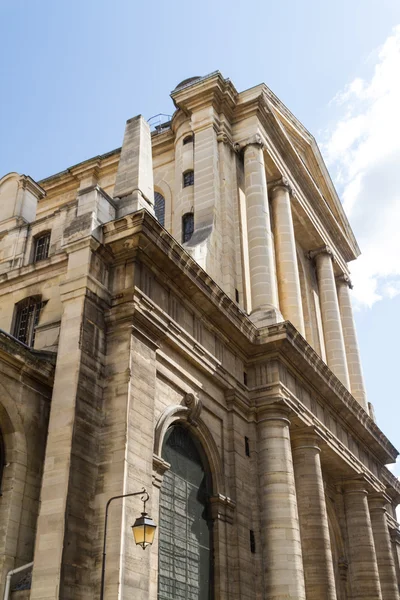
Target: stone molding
x: 254, y: 140
x: 344, y: 280
x: 189, y: 410
x: 222, y: 508
x: 312, y: 254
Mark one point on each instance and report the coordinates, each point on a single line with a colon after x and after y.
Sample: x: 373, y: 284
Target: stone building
x: 175, y: 314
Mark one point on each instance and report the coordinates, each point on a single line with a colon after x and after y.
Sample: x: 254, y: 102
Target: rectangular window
x: 27, y: 317
x: 42, y: 244
x: 188, y: 178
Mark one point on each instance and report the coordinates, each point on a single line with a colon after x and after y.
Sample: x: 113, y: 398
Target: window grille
x: 185, y: 527
x: 159, y: 207
x: 188, y: 178
x: 187, y: 227
x: 42, y: 244
x: 27, y: 317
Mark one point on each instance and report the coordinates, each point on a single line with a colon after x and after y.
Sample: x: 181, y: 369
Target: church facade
x: 176, y: 315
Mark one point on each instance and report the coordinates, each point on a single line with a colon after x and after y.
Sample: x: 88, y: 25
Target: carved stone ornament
x: 254, y: 140
x: 322, y: 250
x: 282, y: 182
x: 343, y: 568
x: 343, y: 278
x: 188, y: 411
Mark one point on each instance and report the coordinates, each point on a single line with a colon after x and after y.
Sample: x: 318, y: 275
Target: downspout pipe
x: 10, y: 574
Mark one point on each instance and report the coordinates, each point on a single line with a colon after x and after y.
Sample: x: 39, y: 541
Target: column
x: 314, y: 529
x: 350, y: 341
x: 286, y: 257
x: 282, y: 556
x: 264, y: 288
x: 331, y: 323
x: 364, y: 576
x: 383, y: 547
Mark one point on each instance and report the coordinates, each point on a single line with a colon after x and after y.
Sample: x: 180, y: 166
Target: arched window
x: 159, y: 207
x: 185, y: 527
x: 26, y: 318
x: 187, y: 226
x: 188, y: 178
x: 188, y: 140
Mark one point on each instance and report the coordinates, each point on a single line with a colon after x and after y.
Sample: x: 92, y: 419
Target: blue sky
x: 72, y: 72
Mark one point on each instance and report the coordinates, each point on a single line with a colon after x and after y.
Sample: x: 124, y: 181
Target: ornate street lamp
x: 143, y: 530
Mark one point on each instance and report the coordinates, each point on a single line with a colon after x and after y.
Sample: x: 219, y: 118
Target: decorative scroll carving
x: 343, y: 278
x: 254, y: 140
x: 189, y: 411
x: 323, y: 250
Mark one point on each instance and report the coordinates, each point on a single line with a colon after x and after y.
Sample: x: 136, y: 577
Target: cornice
x: 38, y: 364
x: 140, y: 232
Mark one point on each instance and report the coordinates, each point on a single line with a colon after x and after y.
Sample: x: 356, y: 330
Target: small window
x: 26, y: 319
x: 42, y: 244
x: 187, y: 227
x: 159, y: 207
x: 188, y: 178
x: 188, y: 140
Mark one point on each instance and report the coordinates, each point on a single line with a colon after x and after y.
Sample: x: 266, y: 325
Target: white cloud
x: 362, y: 150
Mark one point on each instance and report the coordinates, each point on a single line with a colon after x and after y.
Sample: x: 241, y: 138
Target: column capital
x: 253, y: 140
x: 305, y: 437
x: 274, y: 411
x: 344, y: 280
x: 395, y: 535
x: 282, y: 182
x: 355, y: 486
x: 312, y: 254
x: 377, y: 501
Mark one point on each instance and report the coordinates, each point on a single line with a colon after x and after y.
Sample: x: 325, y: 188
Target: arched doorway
x: 185, y: 526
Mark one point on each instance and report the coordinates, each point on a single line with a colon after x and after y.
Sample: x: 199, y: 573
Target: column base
x: 266, y: 315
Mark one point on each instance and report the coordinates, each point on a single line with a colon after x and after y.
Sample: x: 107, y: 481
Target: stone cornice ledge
x: 285, y: 334
x: 141, y: 233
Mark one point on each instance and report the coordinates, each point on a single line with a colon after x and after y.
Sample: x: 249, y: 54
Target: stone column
x: 264, y: 288
x: 383, y: 547
x: 314, y: 529
x: 286, y: 257
x: 282, y: 556
x: 357, y: 386
x: 364, y: 576
x: 331, y: 323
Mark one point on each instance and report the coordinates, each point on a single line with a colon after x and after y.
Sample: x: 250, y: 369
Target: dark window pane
x: 188, y: 140
x: 159, y: 207
x: 187, y: 227
x: 188, y: 178
x: 42, y: 244
x: 27, y: 317
x: 185, y: 557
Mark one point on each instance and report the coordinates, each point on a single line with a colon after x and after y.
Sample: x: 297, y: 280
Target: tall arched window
x: 187, y: 226
x: 26, y: 318
x: 185, y: 527
x: 159, y: 207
